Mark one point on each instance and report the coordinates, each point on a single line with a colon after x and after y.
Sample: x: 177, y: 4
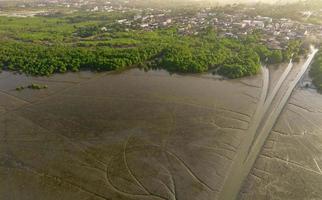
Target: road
x: 267, y: 113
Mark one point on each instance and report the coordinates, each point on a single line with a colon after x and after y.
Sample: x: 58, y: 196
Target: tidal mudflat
x: 131, y: 135
x: 150, y: 135
x: 289, y: 166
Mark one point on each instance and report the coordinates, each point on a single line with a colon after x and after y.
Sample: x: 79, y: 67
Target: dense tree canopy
x: 276, y: 56
x: 45, y: 45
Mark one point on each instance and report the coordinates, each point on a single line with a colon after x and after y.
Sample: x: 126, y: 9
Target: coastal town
x: 234, y: 22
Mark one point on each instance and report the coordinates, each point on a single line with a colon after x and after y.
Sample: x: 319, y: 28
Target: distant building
x: 95, y: 9
x: 136, y: 17
x: 121, y: 21
x: 258, y: 24
x: 144, y: 25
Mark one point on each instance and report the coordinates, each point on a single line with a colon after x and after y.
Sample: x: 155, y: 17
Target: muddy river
x: 151, y: 135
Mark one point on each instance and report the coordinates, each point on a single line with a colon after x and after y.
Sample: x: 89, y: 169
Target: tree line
x: 232, y: 58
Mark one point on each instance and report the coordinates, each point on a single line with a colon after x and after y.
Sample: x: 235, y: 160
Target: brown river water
x: 151, y: 135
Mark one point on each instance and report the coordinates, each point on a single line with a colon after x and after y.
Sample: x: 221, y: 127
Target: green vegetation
x: 316, y: 71
x: 46, y: 45
x: 20, y: 88
x: 33, y: 86
x: 276, y: 57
